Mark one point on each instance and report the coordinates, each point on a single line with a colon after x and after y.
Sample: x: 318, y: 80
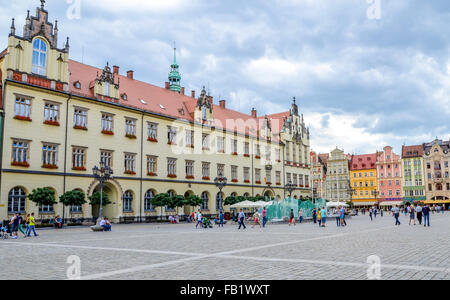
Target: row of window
x: 438, y: 187
x: 361, y: 174
x: 298, y: 179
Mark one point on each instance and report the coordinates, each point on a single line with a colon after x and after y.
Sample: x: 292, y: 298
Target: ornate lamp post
x: 102, y: 174
x: 220, y: 183
x: 376, y: 194
x: 350, y: 191
x: 290, y: 187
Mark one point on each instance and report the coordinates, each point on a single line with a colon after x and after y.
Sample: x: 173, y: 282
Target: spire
x: 174, y: 75
x: 294, y: 109
x: 42, y: 4
x: 67, y: 45
x: 13, y: 27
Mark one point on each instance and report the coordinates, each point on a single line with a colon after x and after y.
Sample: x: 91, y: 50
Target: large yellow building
x: 363, y: 178
x: 61, y: 117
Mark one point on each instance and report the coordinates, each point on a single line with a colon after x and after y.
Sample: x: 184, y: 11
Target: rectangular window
x: 20, y: 153
x: 295, y: 181
x: 247, y: 148
x: 107, y: 89
x: 206, y: 170
x: 307, y: 180
x: 107, y: 158
x: 172, y: 135
x: 189, y: 169
x: 220, y: 170
x: 288, y: 151
x: 278, y: 177
x: 171, y: 167
x: 130, y: 128
x: 221, y: 144
x: 205, y: 141
x: 152, y: 165
x: 79, y: 159
x: 268, y: 154
x: 247, y: 175
x: 80, y: 118
x: 107, y: 123
x: 130, y: 163
x: 234, y: 149
x: 152, y: 132
x: 289, y: 178
x: 189, y: 138
x: 49, y: 155
x: 258, y: 176
x: 46, y: 209
x: 258, y: 151
x: 234, y: 173
x: 268, y: 177
x: 51, y: 113
x: 23, y: 108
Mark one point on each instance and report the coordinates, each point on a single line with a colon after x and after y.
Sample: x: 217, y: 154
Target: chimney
x: 182, y: 91
x: 193, y: 94
x: 222, y: 104
x: 211, y: 99
x: 254, y: 114
x: 167, y: 86
x: 116, y: 70
x: 130, y: 74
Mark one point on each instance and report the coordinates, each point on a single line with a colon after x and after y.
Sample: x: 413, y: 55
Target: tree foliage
x: 95, y: 199
x: 194, y: 200
x: 73, y: 198
x: 160, y: 200
x: 176, y: 201
x: 42, y: 196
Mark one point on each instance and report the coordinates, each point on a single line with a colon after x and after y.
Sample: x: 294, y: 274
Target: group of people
x: 203, y: 221
x: 418, y: 212
x: 17, y: 222
x: 106, y: 224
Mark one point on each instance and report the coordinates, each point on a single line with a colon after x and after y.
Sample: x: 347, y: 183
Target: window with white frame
x: 152, y: 131
x: 172, y: 135
x: 20, y: 151
x: 220, y: 170
x: 268, y: 176
x: 205, y: 141
x: 206, y: 170
x: 49, y: 155
x: 288, y: 152
x: 171, y: 166
x: 22, y: 108
x: 107, y: 158
x: 189, y: 138
x: 277, y: 154
x: 258, y: 175
x: 80, y: 118
x: 268, y: 153
x: 258, y: 150
x: 234, y: 146
x: 130, y: 163
x: 128, y: 201
x: 278, y: 177
x: 300, y: 176
x: 107, y: 122
x: 247, y: 148
x: 205, y: 203
x: 46, y: 209
x: 16, y: 200
x: 295, y: 182
x: 288, y: 177
x: 107, y: 85
x: 247, y: 174
x: 220, y: 144
x: 130, y: 127
x: 51, y: 112
x: 294, y: 153
x: 189, y: 168
x: 39, y: 63
x: 307, y: 180
x: 79, y: 158
x: 234, y: 173
x: 152, y: 165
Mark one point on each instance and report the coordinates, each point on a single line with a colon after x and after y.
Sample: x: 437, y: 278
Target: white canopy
x: 263, y: 203
x: 336, y: 204
x: 391, y: 203
x: 244, y: 204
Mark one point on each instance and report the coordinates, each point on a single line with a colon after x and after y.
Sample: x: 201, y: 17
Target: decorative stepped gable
x: 294, y: 125
x: 204, y: 110
x: 105, y: 86
x: 35, y: 58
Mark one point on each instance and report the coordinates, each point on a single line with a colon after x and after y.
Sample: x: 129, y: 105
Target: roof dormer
x: 106, y: 86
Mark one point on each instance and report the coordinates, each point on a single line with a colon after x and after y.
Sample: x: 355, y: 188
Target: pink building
x: 389, y: 177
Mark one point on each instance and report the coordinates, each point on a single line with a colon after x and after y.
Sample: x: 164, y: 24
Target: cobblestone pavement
x: 277, y: 252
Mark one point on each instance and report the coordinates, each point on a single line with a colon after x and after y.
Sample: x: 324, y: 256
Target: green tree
x: 94, y: 199
x: 73, y: 198
x: 177, y: 201
x: 42, y: 196
x: 231, y: 200
x: 194, y: 201
x: 161, y: 200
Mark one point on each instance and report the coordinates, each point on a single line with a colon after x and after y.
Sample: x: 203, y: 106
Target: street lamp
x: 290, y: 187
x: 376, y: 194
x: 102, y: 174
x: 220, y: 183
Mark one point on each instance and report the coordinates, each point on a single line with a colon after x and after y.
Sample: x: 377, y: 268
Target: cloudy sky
x: 364, y: 78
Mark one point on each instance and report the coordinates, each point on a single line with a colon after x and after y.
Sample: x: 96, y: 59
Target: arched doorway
x: 110, y: 211
x: 188, y: 209
x: 268, y: 195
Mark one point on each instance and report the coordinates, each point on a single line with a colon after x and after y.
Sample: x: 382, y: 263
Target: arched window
x: 205, y: 203
x: 128, y: 201
x: 16, y: 200
x: 171, y: 194
x: 39, y: 57
x: 148, y: 200
x: 219, y: 201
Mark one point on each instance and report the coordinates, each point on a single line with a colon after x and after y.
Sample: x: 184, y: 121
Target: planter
x: 172, y: 176
x: 151, y: 174
x: 22, y: 118
x: 130, y: 136
x: 246, y: 181
x: 79, y: 169
x: 52, y: 123
x: 20, y: 164
x: 152, y: 140
x: 107, y: 132
x: 257, y: 182
x: 246, y: 155
x: 52, y: 167
x: 206, y: 178
x: 130, y: 173
x: 190, y: 177
x: 234, y: 180
x: 257, y: 157
x: 80, y: 128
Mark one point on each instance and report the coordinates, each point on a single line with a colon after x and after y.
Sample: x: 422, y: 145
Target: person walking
x: 396, y: 213
x: 342, y: 213
x: 426, y: 216
x: 419, y: 210
x: 300, y: 215
x: 338, y: 218
x: 199, y: 219
x: 241, y: 217
x: 32, y: 226
x: 371, y: 214
x: 221, y: 218
x: 292, y: 218
x: 256, y: 219
x: 319, y: 217
x: 412, y: 215
x: 21, y: 222
x: 324, y: 216
x: 381, y: 212
x: 375, y: 212
x: 314, y: 216
x: 14, y: 225
x: 264, y: 216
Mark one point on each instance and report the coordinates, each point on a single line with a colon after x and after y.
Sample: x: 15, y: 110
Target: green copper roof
x: 174, y: 75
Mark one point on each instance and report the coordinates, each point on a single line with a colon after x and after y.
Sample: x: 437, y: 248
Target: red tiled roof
x: 324, y: 158
x: 172, y: 102
x: 3, y: 53
x: 363, y: 162
x: 412, y: 151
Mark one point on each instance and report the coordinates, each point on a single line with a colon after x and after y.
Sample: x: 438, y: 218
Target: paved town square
x: 180, y: 252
